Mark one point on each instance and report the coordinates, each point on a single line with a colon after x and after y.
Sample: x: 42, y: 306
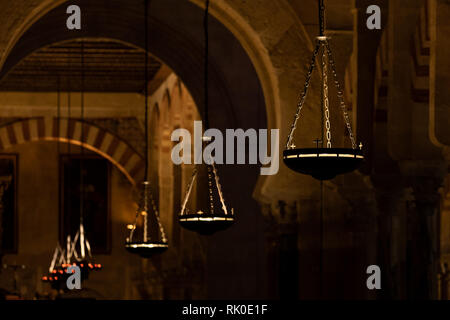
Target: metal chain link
x: 188, y: 192
x: 130, y: 239
x: 210, y: 191
x: 326, y: 102
x: 145, y: 209
x: 340, y: 95
x: 219, y: 190
x: 301, y: 101
x: 145, y: 195
x: 161, y: 229
x: 138, y: 211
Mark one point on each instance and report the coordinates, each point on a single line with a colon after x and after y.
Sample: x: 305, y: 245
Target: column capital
x: 446, y: 154
x: 425, y: 178
x: 282, y: 215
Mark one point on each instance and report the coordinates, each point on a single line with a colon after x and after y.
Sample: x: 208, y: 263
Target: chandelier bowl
x: 146, y: 249
x: 59, y: 275
x: 323, y: 163
x: 206, y: 224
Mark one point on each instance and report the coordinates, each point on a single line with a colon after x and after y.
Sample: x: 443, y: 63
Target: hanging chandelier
x: 146, y: 245
x: 211, y: 219
x: 64, y: 258
x: 323, y: 163
x: 78, y: 250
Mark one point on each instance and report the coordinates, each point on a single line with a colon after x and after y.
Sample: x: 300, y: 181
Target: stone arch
x: 176, y: 107
x: 165, y: 108
x: 263, y: 43
x: 268, y: 40
x: 265, y: 46
x: 98, y: 140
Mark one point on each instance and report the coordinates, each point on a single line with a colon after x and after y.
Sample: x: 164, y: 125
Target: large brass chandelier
x: 323, y: 163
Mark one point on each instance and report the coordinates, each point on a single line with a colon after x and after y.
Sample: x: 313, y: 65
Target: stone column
x: 439, y: 111
x: 358, y: 216
x: 282, y: 250
x: 5, y: 181
x: 365, y: 45
x: 439, y: 129
x: 422, y: 254
x: 391, y: 197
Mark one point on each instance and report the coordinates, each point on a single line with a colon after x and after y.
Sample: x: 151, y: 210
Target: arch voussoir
x: 76, y: 132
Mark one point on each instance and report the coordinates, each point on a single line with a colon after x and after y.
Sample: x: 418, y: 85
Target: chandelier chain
x: 206, y: 66
x: 184, y: 210
x: 326, y: 102
x: 145, y: 210
x: 219, y: 190
x: 155, y: 210
x: 303, y: 95
x: 147, y: 201
x: 130, y: 239
x: 210, y: 190
x: 321, y: 17
x: 340, y: 94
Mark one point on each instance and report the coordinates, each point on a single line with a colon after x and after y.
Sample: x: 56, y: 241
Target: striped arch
x: 108, y: 145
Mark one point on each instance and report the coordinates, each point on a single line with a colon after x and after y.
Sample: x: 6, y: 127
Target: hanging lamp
x: 145, y: 245
x: 212, y: 219
x: 323, y: 163
x: 63, y: 258
x: 83, y: 258
x: 56, y: 274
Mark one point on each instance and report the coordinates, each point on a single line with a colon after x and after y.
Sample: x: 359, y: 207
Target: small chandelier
x: 146, y: 246
x: 70, y: 256
x: 323, y: 163
x: 212, y: 219
x: 64, y: 258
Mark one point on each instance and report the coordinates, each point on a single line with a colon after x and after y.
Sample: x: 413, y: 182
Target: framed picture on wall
x: 8, y: 202
x: 95, y: 186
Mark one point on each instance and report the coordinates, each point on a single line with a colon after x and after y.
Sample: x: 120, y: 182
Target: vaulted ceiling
x: 109, y: 66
